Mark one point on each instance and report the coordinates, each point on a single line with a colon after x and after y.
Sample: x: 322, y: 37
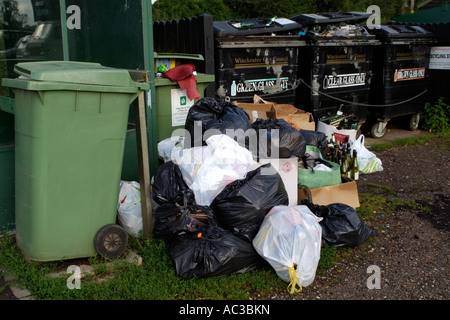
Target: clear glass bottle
x: 354, y: 169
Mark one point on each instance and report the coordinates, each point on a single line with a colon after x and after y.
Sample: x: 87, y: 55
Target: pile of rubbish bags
x: 221, y: 212
x: 209, y: 206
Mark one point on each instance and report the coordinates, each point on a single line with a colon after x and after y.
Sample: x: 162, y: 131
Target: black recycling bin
x: 335, y: 68
x: 257, y: 56
x: 400, y: 75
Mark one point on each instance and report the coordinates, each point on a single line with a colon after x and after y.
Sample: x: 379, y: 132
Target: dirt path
x: 411, y: 245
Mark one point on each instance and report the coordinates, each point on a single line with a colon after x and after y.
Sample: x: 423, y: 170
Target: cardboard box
x: 298, y: 118
x: 346, y: 192
x: 257, y: 110
x: 269, y: 110
x: 287, y: 168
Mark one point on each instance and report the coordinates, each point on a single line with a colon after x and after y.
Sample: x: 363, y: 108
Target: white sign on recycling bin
x: 440, y: 58
x: 180, y: 106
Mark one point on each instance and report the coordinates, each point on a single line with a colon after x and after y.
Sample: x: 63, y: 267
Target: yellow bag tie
x: 294, y: 286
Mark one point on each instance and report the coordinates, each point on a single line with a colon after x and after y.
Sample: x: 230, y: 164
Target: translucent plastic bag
x: 207, y: 170
x: 368, y: 162
x: 129, y: 211
x: 170, y: 146
x: 290, y: 240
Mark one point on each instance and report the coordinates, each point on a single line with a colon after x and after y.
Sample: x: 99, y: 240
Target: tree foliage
x: 164, y: 10
x: 221, y: 10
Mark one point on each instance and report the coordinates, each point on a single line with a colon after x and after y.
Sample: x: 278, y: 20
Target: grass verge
x: 410, y: 141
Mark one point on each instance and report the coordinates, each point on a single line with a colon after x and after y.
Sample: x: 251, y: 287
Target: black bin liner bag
x: 341, y: 224
x: 212, y: 114
x: 174, y: 208
x: 170, y: 219
x: 243, y: 204
x: 291, y: 143
x: 212, y: 252
x: 169, y: 187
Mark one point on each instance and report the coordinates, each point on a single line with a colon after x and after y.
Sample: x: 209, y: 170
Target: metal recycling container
x: 172, y: 103
x: 400, y: 74
x: 70, y: 127
x: 257, y: 56
x: 336, y: 64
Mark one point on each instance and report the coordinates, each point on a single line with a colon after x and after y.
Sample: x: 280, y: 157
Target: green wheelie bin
x: 70, y: 127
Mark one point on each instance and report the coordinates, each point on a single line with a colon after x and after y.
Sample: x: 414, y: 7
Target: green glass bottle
x: 348, y: 160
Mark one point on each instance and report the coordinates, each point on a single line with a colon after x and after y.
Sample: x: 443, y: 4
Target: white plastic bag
x: 290, y: 240
x: 167, y: 148
x: 207, y: 170
x: 129, y: 207
x: 368, y: 162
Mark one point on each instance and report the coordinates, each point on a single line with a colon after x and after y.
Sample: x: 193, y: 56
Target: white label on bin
x: 262, y: 85
x: 409, y: 74
x: 344, y: 80
x: 180, y: 106
x: 440, y: 58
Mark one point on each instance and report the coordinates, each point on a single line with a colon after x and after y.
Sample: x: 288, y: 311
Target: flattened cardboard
x: 346, y: 192
x: 299, y: 118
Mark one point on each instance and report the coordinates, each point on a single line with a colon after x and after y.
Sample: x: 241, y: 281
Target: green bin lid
x: 190, y: 56
x: 48, y: 75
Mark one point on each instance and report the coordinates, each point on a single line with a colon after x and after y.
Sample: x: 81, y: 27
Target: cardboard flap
x: 257, y: 110
x: 346, y: 193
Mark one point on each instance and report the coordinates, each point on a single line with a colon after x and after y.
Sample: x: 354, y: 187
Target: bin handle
x: 100, y: 104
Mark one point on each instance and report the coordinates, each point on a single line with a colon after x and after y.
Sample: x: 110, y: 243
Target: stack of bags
x: 219, y: 215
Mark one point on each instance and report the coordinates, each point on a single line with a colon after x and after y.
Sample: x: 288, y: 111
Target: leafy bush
x: 437, y: 116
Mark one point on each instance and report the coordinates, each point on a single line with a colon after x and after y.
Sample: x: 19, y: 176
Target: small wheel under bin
x: 414, y: 122
x: 111, y: 241
x: 376, y: 132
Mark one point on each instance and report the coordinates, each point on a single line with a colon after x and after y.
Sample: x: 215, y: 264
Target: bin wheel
x: 111, y: 241
x: 375, y: 131
x: 414, y: 122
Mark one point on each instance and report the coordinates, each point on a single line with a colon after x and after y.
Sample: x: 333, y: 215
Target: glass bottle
x: 348, y: 160
x: 354, y: 170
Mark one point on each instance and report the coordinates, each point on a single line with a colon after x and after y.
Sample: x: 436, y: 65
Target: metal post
x: 65, y: 38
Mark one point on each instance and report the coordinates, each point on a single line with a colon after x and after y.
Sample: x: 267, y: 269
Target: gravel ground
x: 411, y: 246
